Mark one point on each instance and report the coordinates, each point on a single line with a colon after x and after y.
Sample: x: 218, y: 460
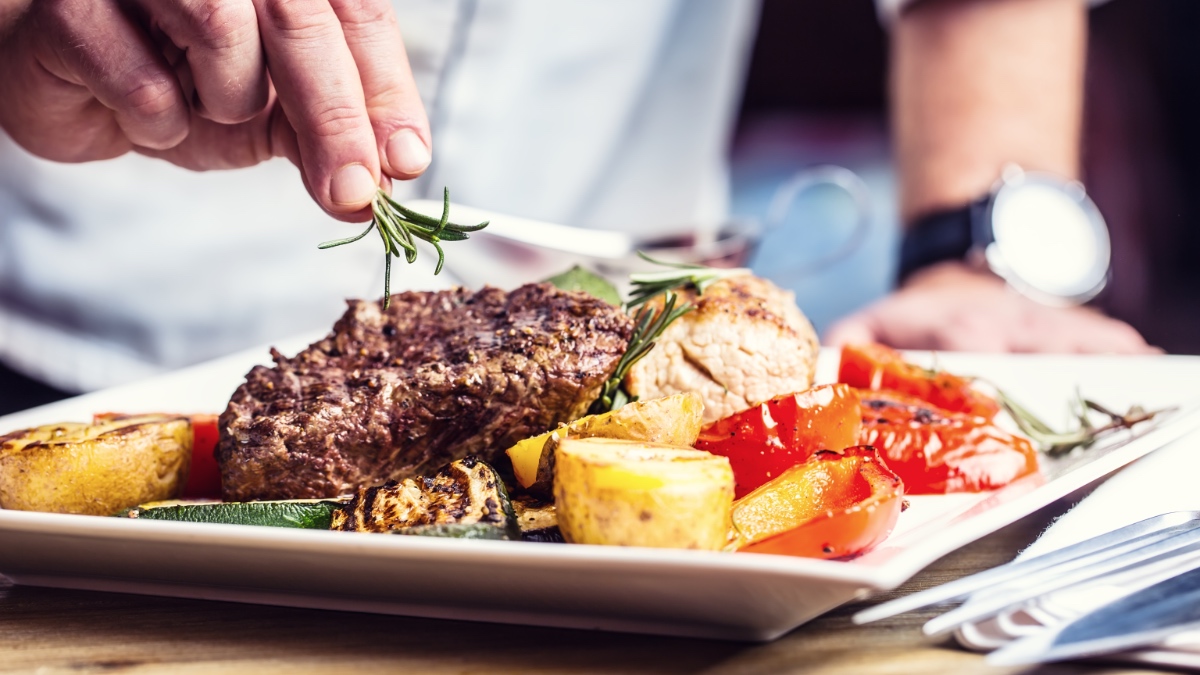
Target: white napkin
x: 1164, y: 481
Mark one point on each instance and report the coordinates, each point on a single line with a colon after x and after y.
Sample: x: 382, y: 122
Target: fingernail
x: 352, y: 185
x: 407, y: 153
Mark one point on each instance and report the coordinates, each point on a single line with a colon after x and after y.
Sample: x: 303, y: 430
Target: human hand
x: 955, y: 308
x: 188, y: 81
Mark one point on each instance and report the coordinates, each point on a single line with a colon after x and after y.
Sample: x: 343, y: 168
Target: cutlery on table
x: 1145, y: 561
x: 1143, y: 618
x: 1161, y: 555
x: 1097, y: 550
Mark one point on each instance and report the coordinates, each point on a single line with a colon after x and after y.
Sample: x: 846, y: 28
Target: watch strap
x: 944, y: 235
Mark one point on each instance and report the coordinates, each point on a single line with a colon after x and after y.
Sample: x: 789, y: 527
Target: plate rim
x: 868, y: 578
x: 873, y: 577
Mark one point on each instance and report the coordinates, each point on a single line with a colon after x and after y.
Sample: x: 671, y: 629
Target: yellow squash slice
x: 95, y: 469
x: 628, y: 493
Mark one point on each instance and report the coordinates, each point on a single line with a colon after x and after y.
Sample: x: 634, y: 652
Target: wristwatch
x: 1041, y: 234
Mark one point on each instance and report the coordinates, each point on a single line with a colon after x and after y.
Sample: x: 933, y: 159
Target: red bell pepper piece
x: 768, y: 439
x: 875, y: 366
x: 835, y: 505
x: 204, y: 480
x: 938, y: 451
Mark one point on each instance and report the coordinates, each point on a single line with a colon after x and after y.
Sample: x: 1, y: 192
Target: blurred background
x: 1141, y: 155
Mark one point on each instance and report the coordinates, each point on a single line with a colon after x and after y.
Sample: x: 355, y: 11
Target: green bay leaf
x: 580, y: 279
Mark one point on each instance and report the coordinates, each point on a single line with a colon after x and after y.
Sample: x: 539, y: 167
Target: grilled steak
x: 397, y: 393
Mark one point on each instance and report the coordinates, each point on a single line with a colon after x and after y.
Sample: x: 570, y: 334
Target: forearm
x: 977, y: 84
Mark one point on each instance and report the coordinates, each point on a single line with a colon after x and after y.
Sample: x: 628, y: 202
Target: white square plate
x: 736, y: 596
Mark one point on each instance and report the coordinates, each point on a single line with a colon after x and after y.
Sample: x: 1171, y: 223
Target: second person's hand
x: 953, y: 307
x: 211, y: 84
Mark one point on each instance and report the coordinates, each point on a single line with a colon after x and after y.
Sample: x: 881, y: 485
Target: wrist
x: 952, y: 272
x: 1038, y: 232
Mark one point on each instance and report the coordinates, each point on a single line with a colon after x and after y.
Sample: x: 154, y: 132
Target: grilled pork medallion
x: 395, y: 393
x: 745, y: 343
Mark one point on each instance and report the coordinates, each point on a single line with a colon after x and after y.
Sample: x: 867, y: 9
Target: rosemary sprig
x: 400, y: 227
x: 1058, y: 443
x: 648, y: 285
x: 649, y: 324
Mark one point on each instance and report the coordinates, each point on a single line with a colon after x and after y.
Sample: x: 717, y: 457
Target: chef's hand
x: 211, y: 84
x: 955, y: 308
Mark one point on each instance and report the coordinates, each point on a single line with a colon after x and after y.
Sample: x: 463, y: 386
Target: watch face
x: 1049, y: 239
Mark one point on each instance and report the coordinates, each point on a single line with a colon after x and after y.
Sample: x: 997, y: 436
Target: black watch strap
x: 944, y: 235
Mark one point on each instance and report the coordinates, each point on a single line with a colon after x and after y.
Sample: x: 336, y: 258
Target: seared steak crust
x: 434, y: 378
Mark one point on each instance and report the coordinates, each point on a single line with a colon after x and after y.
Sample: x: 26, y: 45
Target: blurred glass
x: 738, y: 242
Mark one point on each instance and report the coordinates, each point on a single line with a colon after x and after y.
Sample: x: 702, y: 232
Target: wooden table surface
x: 50, y: 631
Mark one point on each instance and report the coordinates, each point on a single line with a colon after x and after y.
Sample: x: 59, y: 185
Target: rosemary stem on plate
x: 1055, y: 442
x: 649, y: 324
x: 650, y: 321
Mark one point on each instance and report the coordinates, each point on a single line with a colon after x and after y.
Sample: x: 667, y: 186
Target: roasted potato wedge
x: 95, y: 469
x: 673, y: 420
x: 628, y: 493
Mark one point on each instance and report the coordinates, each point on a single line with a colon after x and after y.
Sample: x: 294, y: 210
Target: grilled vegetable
x: 204, y: 476
x: 302, y: 514
x: 537, y: 519
x: 465, y: 492
x: 457, y: 531
x: 628, y: 493
x: 673, y: 420
x: 875, y: 366
x: 768, y: 439
x: 464, y: 500
x: 937, y: 451
x: 95, y: 469
x: 837, y: 504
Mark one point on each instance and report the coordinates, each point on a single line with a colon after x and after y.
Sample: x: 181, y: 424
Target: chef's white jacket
x: 608, y: 114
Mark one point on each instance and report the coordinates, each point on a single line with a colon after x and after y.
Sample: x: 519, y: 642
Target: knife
x: 1142, y: 618
x: 592, y: 243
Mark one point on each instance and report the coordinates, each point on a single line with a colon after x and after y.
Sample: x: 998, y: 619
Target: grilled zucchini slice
x: 537, y: 519
x: 303, y: 514
x: 464, y: 492
x: 457, y: 531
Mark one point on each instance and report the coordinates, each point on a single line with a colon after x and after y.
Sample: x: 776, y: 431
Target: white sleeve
x: 890, y: 9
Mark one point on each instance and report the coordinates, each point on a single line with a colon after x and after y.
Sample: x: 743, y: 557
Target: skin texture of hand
x: 954, y: 308
x: 217, y: 84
